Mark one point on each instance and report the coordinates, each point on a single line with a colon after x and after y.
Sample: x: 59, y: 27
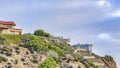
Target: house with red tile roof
x: 7, y: 27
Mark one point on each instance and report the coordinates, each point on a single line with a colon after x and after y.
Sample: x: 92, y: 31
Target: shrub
x: 11, y: 39
x: 109, y: 58
x: 16, y: 61
x: 55, y: 48
x: 8, y: 53
x: 53, y: 54
x: 79, y: 66
x: 2, y: 40
x: 92, y: 64
x: 76, y: 57
x: 41, y: 33
x: 34, y: 43
x: 35, y: 61
x: 46, y: 34
x: 86, y: 64
x: 2, y: 59
x: 48, y: 63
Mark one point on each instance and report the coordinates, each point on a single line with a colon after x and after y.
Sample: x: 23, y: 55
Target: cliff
x: 30, y: 51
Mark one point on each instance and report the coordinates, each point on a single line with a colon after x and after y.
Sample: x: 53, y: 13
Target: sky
x: 95, y: 22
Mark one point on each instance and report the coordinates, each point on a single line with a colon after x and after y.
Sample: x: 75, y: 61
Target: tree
x: 41, y: 32
x: 46, y: 34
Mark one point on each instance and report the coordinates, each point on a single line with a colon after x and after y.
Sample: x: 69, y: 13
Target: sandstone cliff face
x: 113, y: 64
x: 20, y: 57
x: 110, y: 63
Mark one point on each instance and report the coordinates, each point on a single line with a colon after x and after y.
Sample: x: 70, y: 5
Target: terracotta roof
x: 15, y: 28
x: 3, y: 27
x: 8, y: 23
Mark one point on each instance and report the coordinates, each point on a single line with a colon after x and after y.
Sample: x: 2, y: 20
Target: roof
x: 8, y: 23
x: 82, y: 45
x: 15, y: 28
x: 3, y: 27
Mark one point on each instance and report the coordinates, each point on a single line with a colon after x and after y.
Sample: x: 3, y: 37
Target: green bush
x: 53, y: 54
x: 92, y: 64
x: 41, y: 32
x: 2, y: 59
x: 55, y: 48
x: 34, y: 42
x: 64, y: 46
x: 109, y: 58
x: 46, y: 34
x: 11, y: 39
x: 76, y: 57
x: 79, y: 66
x: 35, y: 61
x: 48, y: 63
x: 86, y: 64
x: 38, y: 43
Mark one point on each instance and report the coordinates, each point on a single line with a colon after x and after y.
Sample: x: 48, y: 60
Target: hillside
x: 42, y: 50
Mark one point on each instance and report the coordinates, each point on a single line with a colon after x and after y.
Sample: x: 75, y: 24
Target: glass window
x: 12, y: 32
x: 0, y: 31
x: 1, y: 24
x: 9, y: 26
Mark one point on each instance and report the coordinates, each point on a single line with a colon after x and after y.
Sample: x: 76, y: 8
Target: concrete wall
x: 87, y: 47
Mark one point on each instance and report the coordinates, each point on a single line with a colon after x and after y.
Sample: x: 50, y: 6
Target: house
x: 7, y: 27
x: 87, y: 47
x: 88, y: 58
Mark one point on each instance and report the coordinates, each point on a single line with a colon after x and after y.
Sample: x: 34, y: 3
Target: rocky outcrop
x: 21, y: 57
x: 110, y: 64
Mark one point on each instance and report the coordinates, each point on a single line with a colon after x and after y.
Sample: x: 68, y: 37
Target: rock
x: 66, y: 65
x: 1, y: 40
x: 27, y: 53
x: 22, y: 59
x: 17, y: 51
x: 8, y: 53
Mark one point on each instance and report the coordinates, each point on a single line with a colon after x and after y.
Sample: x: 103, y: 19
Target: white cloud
x: 104, y: 36
x: 109, y: 38
x: 116, y: 13
x: 104, y: 3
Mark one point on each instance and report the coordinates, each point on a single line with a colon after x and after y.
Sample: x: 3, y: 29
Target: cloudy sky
x: 84, y: 21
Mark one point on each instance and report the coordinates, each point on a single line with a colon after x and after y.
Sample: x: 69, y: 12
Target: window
x: 12, y: 32
x: 19, y: 33
x: 9, y: 26
x: 1, y: 25
x: 0, y: 31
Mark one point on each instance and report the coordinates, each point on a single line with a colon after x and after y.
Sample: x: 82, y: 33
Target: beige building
x: 7, y: 27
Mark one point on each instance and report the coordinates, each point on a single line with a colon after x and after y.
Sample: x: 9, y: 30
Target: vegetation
x: 76, y: 57
x: 65, y: 46
x: 41, y: 32
x: 92, y: 64
x: 2, y: 59
x: 48, y: 63
x: 34, y: 61
x: 53, y: 54
x: 44, y: 43
x: 11, y: 39
x: 55, y: 48
x: 36, y: 42
x: 79, y: 66
x: 109, y: 58
x: 86, y: 64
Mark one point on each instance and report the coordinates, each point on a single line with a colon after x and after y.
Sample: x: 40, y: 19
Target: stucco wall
x: 8, y: 31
